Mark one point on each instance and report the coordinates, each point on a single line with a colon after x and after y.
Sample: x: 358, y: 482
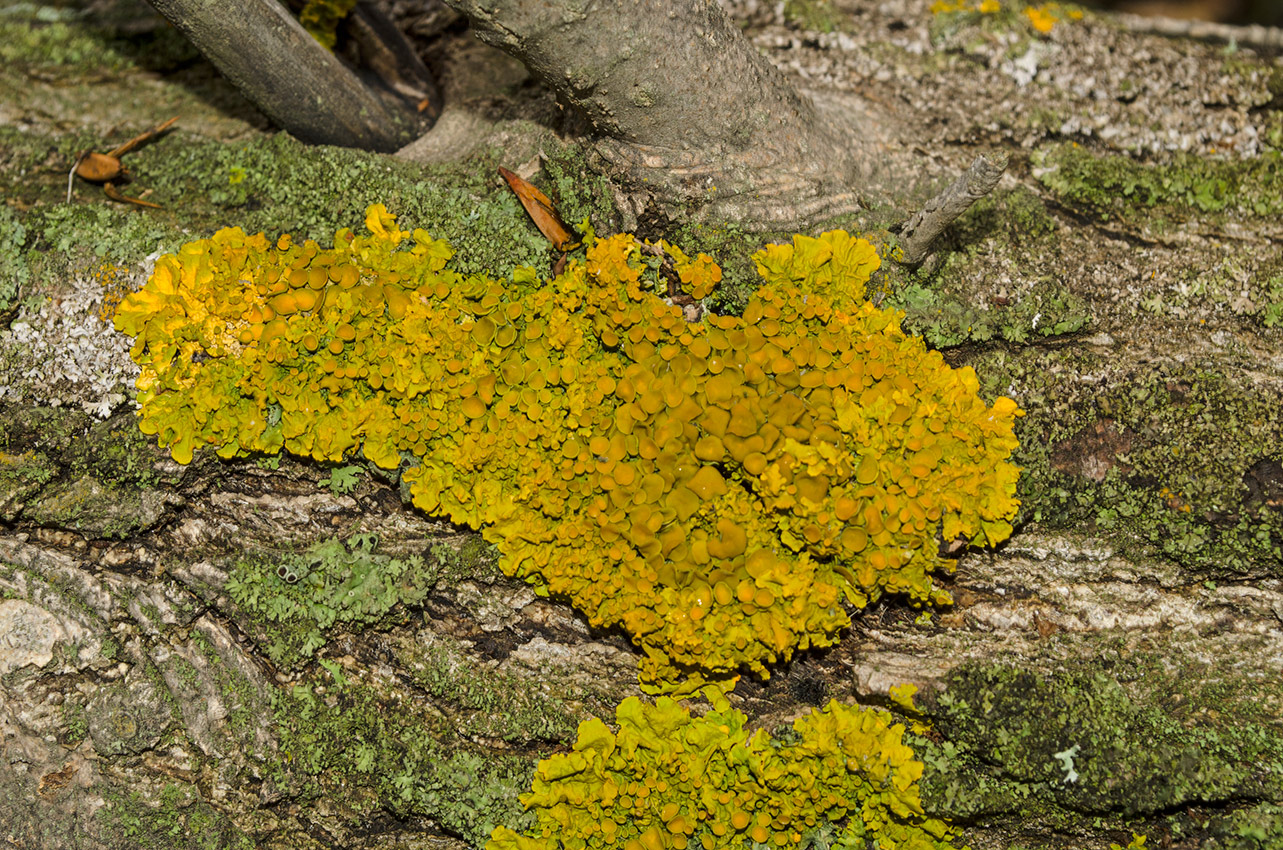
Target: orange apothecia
x: 718, y: 489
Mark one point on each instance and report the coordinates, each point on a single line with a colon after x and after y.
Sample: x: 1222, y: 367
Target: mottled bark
x: 1112, y: 668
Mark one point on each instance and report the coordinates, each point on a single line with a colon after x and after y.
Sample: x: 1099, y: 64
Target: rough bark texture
x: 1132, y: 304
x: 301, y: 86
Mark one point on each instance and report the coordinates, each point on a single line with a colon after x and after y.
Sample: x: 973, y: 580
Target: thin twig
x: 71, y: 175
x: 1250, y: 35
x: 141, y: 137
x: 917, y: 234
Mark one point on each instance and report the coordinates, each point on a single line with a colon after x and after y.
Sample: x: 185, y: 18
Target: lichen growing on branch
x: 718, y: 489
x: 845, y: 778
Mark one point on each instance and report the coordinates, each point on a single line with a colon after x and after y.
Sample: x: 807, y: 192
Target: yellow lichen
x: 669, y: 780
x: 718, y: 489
x: 321, y: 19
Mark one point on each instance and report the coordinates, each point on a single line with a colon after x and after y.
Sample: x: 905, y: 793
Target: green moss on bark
x: 1099, y: 749
x: 1143, y: 454
x: 1189, y: 185
x: 366, y: 751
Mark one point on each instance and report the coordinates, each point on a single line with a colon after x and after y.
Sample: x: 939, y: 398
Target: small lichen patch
x: 62, y: 352
x: 366, y: 749
x: 301, y: 597
x: 1116, y: 186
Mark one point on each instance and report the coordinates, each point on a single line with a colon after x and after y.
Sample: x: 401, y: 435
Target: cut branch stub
x: 920, y: 231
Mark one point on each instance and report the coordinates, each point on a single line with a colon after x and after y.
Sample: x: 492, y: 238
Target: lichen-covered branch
x: 1245, y: 35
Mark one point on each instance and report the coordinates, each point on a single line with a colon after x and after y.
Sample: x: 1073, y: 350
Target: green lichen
x: 75, y: 723
x: 311, y: 191
x: 1234, y: 285
x: 577, y: 192
x: 948, y: 306
x: 14, y: 272
x: 77, y: 232
x: 298, y: 599
x: 182, y: 820
x: 489, y: 703
x: 946, y: 321
x: 63, y: 42
x: 64, y: 467
x: 368, y: 751
x: 279, y: 184
x: 1257, y: 827
x: 813, y: 15
x: 1116, y: 186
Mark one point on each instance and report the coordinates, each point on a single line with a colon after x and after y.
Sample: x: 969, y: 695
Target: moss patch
x: 1060, y: 746
x: 67, y: 468
x: 1143, y: 454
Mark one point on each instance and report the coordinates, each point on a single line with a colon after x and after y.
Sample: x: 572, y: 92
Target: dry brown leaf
x: 541, y: 212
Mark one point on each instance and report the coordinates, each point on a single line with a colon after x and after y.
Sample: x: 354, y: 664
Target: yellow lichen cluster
x: 321, y: 19
x: 715, y: 488
x: 668, y: 780
x: 984, y: 7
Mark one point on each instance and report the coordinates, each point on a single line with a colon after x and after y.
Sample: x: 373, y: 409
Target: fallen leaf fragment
x: 107, y: 167
x: 541, y: 211
x: 114, y: 193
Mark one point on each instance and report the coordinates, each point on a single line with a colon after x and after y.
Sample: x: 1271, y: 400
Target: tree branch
x: 295, y: 81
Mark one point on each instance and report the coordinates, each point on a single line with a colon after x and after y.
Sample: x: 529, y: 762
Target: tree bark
x: 689, y: 116
x: 1113, y: 668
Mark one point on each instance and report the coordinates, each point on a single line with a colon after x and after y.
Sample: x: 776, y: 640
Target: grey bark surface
x: 1136, y: 614
x: 295, y: 81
